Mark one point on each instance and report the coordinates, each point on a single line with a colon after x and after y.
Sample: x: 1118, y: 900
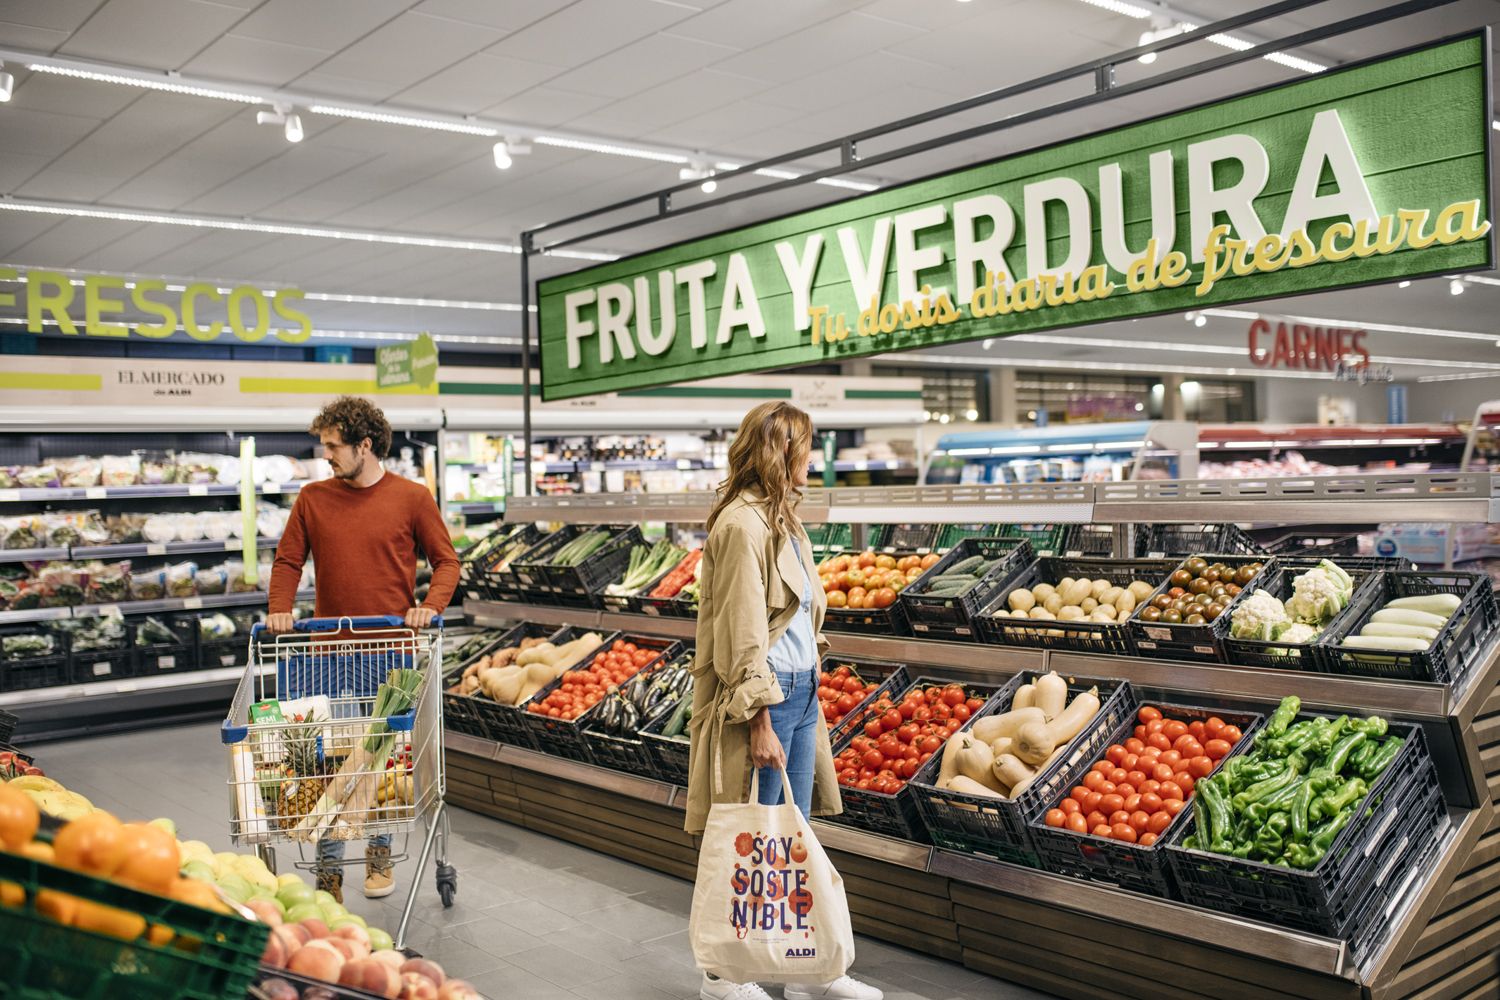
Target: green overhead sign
x: 1370, y: 173
x: 412, y: 363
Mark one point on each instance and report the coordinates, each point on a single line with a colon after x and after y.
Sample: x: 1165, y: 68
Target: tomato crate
x: 211, y: 956
x: 629, y: 754
x: 1277, y: 581
x: 1138, y: 868
x: 1400, y: 809
x: 890, y: 620
x: 1045, y: 539
x: 1079, y: 636
x: 483, y: 560
x: 1457, y: 646
x: 1155, y: 541
x: 643, y: 603
x: 951, y: 616
x: 564, y: 737
x: 467, y: 713
x: 1180, y: 641
x: 895, y: 814
x: 36, y: 657
x: 998, y: 828
x: 883, y: 673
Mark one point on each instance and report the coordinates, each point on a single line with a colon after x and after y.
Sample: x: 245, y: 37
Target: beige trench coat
x: 748, y: 594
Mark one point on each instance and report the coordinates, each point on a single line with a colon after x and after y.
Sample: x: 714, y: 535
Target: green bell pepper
x: 1217, y: 834
x: 1381, y: 758
x: 1308, y: 855
x: 1282, y: 717
x: 1359, y: 760
x: 1270, y: 839
x: 1264, y: 789
x: 1335, y: 801
x: 1329, y: 735
x: 1334, y: 762
x: 1372, y: 726
x: 1306, y: 793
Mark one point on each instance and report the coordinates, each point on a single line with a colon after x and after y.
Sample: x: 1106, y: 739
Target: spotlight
x: 697, y: 170
x: 502, y: 157
x: 7, y: 84
x: 293, y: 128
x: 508, y: 148
x: 1147, y: 37
x: 989, y: 342
x: 1189, y: 316
x: 709, y: 186
x: 971, y: 414
x: 1455, y: 287
x: 1200, y: 320
x: 291, y: 124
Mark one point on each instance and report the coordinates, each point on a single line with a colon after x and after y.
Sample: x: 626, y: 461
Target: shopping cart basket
x: 336, y: 733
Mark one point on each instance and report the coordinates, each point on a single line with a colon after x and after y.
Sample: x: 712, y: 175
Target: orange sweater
x: 364, y: 544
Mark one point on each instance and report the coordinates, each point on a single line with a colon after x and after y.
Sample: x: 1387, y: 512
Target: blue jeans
x: 333, y: 850
x: 795, y: 722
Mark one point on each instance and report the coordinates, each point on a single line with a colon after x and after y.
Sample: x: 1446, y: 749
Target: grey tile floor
x: 535, y: 918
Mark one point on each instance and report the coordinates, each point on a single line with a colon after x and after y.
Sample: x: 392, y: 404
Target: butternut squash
x: 536, y: 654
x: 994, y: 727
x: 1051, y: 695
x: 1035, y: 742
x: 972, y: 758
x: 968, y: 786
x: 1025, y: 697
x: 1010, y: 772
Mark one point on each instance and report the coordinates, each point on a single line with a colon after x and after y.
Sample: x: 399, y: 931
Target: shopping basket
x: 335, y: 733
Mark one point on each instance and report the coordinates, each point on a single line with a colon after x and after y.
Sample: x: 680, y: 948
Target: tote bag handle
x: 786, y: 787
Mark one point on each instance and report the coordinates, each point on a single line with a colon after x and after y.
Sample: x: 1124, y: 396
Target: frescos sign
x: 1358, y: 175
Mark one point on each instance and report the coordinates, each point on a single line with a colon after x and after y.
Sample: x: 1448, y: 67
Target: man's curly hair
x: 356, y: 419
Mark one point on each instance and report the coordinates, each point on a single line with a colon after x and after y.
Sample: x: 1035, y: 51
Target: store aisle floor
x: 535, y: 918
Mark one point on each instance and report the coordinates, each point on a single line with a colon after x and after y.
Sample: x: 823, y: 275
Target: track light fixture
x: 1161, y: 27
x: 293, y: 128
x: 698, y: 171
x: 291, y: 123
x: 1455, y: 287
x: 507, y: 149
x: 7, y: 84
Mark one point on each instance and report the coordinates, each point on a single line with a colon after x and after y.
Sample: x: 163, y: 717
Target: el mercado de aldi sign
x: 1365, y: 174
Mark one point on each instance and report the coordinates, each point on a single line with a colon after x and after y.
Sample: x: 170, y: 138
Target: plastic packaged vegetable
x: 120, y: 470
x: 148, y: 585
x: 182, y: 579
x: 108, y: 582
x: 211, y: 579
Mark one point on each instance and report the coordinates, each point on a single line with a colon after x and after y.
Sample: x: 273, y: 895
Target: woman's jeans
x: 795, y: 722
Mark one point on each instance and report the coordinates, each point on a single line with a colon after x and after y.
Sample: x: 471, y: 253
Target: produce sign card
x: 1370, y: 173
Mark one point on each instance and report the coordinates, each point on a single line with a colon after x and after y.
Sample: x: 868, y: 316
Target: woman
x: 755, y: 698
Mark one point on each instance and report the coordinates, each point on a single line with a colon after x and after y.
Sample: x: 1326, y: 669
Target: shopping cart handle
x: 359, y: 622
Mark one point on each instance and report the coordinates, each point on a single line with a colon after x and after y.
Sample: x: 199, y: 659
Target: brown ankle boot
x: 379, y: 872
x: 331, y: 881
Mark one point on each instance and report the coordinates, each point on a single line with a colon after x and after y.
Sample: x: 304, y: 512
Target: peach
x: 265, y: 911
x: 457, y: 989
x: 417, y: 987
x: 315, y: 928
x: 391, y: 957
x: 297, y: 936
x: 318, y: 960
x: 425, y: 967
x: 349, y: 949
x: 275, y: 954
x: 372, y: 976
x: 355, y: 933
x: 286, y: 941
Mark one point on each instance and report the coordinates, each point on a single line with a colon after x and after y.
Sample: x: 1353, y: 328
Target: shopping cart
x: 336, y: 733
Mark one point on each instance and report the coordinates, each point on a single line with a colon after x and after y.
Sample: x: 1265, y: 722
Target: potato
x: 1075, y: 592
x: 1042, y: 614
x: 1125, y: 604
x: 1088, y: 605
x: 1071, y: 613
x: 1021, y: 599
x: 1112, y: 596
x: 1141, y: 589
x: 1042, y: 591
x: 1102, y: 615
x: 1097, y: 590
x: 1065, y: 583
x: 1053, y: 603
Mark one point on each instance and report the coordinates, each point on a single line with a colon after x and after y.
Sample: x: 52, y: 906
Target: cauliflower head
x: 1320, y: 594
x: 1257, y: 617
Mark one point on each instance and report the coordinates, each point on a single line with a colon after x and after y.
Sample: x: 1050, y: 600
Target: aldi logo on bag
x: 801, y: 952
x: 770, y: 888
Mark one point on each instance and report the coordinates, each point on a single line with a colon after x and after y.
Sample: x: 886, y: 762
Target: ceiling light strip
x: 410, y: 121
x: 609, y: 149
x: 280, y: 228
x: 164, y: 84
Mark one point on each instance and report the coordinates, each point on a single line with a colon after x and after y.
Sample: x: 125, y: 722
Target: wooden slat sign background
x: 1369, y: 173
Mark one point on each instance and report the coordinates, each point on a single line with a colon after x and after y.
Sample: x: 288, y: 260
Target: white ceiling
x: 735, y: 79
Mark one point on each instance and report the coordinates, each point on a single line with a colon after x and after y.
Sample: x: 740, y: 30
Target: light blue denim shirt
x: 797, y: 649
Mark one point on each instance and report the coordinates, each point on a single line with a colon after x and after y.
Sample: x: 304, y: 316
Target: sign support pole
x: 526, y: 245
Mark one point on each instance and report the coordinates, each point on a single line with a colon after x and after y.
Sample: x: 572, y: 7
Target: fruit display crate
x: 507, y: 723
x: 467, y: 713
x: 1045, y: 539
x: 273, y: 984
x: 642, y: 603
x: 1091, y: 540
x: 27, y: 672
x: 505, y: 584
x: 607, y: 563
x: 1157, y: 540
x: 1403, y: 806
x: 1272, y: 655
x: 1079, y: 636
x: 1452, y: 653
x: 1180, y: 641
x: 903, y: 538
x: 951, y: 616
x: 890, y: 620
x: 154, y: 658
x: 628, y: 754
x: 211, y: 956
x: 529, y: 570
x: 623, y: 604
x: 895, y: 814
x: 564, y: 737
x: 999, y: 828
x: 1130, y: 866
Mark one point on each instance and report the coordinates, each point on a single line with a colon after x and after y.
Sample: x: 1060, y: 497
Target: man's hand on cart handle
x: 280, y: 622
x: 419, y: 617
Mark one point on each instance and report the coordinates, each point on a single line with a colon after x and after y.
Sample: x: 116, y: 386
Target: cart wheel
x: 447, y: 884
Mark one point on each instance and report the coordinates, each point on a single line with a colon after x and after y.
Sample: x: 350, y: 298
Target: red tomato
x: 1155, y: 726
x: 954, y: 695
x: 1070, y: 805
x: 1217, y: 749
x: 922, y: 714
x: 891, y: 720
x: 1148, y: 714
x: 1139, y: 732
x: 1140, y: 821
x: 1159, y: 822
x: 929, y: 744
x: 1162, y: 772
x: 1149, y: 785
x: 1110, y: 803
x: 1213, y: 726
x: 1174, y: 730
x: 1160, y: 741
x: 1096, y: 818
x: 1125, y: 832
x: 1230, y: 734
x: 873, y: 729
x: 1184, y: 781
x: 1125, y: 789
x: 874, y: 759
x: 1117, y: 775
x: 852, y: 685
x: 1107, y: 788
x: 1196, y: 728
x: 1135, y: 777
x: 941, y: 711
x: 1174, y: 806
x: 1114, y: 755
x: 1132, y: 802
x: 1171, y: 758
x: 1102, y: 830
x: 1151, y: 802
x: 961, y: 713
x: 907, y: 733
x: 1092, y: 801
x: 908, y: 709
x: 974, y: 705
x: 1200, y: 767
x: 926, y: 756
x: 1147, y: 839
x: 1134, y: 745
x: 1055, y: 818
x: 1119, y: 816
x: 1171, y: 790
x: 1079, y: 794
x: 1075, y: 822
x: 1093, y: 780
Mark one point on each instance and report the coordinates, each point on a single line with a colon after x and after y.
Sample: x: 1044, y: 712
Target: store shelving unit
x: 1096, y: 452
x: 1443, y: 927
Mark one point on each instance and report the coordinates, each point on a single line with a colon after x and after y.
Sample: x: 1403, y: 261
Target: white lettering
x: 1112, y: 211
x: 969, y: 250
x: 693, y: 275
x: 614, y: 318
x: 656, y: 344
x: 578, y: 327
x: 910, y: 260
x: 866, y: 275
x: 739, y: 307
x: 1236, y: 201
x: 1327, y: 140
x: 1080, y: 244
x: 800, y: 274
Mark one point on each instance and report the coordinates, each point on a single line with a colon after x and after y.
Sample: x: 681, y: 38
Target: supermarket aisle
x: 535, y: 918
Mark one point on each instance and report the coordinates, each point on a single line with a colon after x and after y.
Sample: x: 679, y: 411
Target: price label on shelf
x: 684, y: 464
x: 192, y: 603
x: 102, y: 668
x: 156, y: 549
x: 10, y: 495
x: 198, y: 490
x: 96, y: 493
x: 861, y: 466
x: 1159, y: 634
x: 1205, y: 650
x: 271, y: 489
x: 126, y: 687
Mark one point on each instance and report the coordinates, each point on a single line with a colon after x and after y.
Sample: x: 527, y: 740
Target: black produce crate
x: 622, y: 604
x: 8, y: 723
x: 663, y: 607
x: 1399, y: 810
x: 669, y: 754
x: 903, y: 538
x: 1080, y: 636
x: 629, y: 754
x: 465, y: 713
x: 564, y: 737
x: 1303, y: 543
x: 896, y: 815
x: 607, y: 563
x: 1277, y: 581
x: 529, y: 571
x: 502, y: 584
x: 1204, y: 643
x: 1091, y: 541
x: 1157, y: 540
x: 890, y: 620
x: 1045, y: 539
x: 883, y: 673
x: 1118, y: 862
x: 1375, y: 917
x: 829, y: 539
x: 27, y: 673
x: 167, y: 657
x: 952, y: 617
x: 998, y: 828
x: 950, y: 535
x: 1451, y: 654
x: 475, y: 570
x: 507, y: 723
x: 1299, y: 564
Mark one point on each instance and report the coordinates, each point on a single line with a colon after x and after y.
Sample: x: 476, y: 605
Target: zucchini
x: 1407, y: 631
x: 1393, y: 643
x: 679, y: 719
x: 1434, y: 604
x: 1409, y: 616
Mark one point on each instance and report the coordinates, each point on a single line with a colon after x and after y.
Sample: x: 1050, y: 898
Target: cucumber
x: 1442, y: 605
x: 964, y: 566
x: 678, y: 720
x: 1409, y: 616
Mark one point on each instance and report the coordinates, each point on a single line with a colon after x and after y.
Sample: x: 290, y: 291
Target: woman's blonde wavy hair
x: 771, y: 438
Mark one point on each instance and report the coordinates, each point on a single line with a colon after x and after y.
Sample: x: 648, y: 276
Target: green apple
x: 304, y: 911
x: 332, y: 912
x: 198, y: 870
x: 236, y: 888
x: 319, y: 896
x: 349, y: 918
x: 294, y: 894
x: 165, y: 824
x: 379, y: 939
x: 289, y: 878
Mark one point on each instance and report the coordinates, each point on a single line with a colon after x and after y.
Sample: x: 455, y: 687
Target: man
x: 363, y: 528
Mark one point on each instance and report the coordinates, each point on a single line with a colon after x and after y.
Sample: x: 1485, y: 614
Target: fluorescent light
x: 840, y: 182
x: 988, y: 343
x: 293, y: 128
x: 148, y: 83
x: 281, y: 229
x: 1120, y: 7
x: 1455, y: 287
x: 609, y: 149
x: 1403, y: 284
x: 777, y: 173
x: 411, y: 121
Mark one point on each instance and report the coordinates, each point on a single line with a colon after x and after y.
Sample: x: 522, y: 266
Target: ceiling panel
x: 255, y: 60
x: 65, y: 96
x: 17, y: 232
x: 683, y: 98
x: 54, y: 15
x: 546, y: 106
x: 799, y: 55
x: 16, y: 168
x: 507, y: 15
x: 725, y: 128
x: 43, y: 133
x: 585, y: 30
x: 256, y: 189
x: 25, y: 36
x: 324, y: 24
x: 409, y: 48
x: 745, y: 24
x: 640, y: 65
x: 476, y: 83
x: 68, y: 240
x: 162, y: 33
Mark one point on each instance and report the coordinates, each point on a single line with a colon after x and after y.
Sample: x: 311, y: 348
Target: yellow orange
x: 12, y: 895
x: 57, y: 906
x: 151, y: 857
x: 19, y: 818
x: 196, y: 893
x: 94, y: 843
x: 159, y: 935
x: 39, y: 850
x: 122, y: 924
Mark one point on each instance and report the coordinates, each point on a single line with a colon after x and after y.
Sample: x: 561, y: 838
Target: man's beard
x: 351, y: 474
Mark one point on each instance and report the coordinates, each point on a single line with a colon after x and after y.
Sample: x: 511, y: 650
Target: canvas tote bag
x: 768, y: 905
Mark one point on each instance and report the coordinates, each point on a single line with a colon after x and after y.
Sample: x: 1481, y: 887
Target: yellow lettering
x: 890, y: 318
x: 262, y: 313
x: 1303, y: 250
x: 841, y: 331
x: 1240, y: 251
x: 1414, y: 220
x: 1174, y: 270
x: 946, y: 311
x: 1388, y: 236
x: 95, y: 305
x: 911, y: 316
x: 151, y: 307
x: 1341, y: 230
x: 190, y: 311
x: 1470, y: 228
x: 1268, y: 253
x: 1026, y: 296
x: 869, y: 319
x: 1095, y: 284
x: 818, y: 315
x: 1216, y: 262
x: 55, y: 301
x: 8, y: 274
x: 1140, y: 276
x: 281, y: 304
x: 982, y: 302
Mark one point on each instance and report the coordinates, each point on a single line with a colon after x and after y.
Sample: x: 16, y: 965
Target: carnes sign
x: 1365, y: 174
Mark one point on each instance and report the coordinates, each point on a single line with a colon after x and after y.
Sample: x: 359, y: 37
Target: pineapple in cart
x: 303, y: 784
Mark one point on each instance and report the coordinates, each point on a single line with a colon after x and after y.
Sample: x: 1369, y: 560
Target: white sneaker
x: 723, y: 989
x: 842, y: 988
